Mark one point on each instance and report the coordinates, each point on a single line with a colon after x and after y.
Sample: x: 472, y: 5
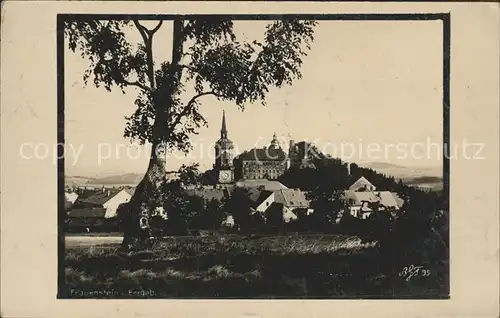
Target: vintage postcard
x: 241, y: 155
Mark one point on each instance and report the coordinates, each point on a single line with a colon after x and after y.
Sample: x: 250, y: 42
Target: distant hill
x: 132, y: 179
x: 427, y: 178
x: 122, y: 179
x: 128, y: 178
x: 78, y: 180
x: 403, y: 172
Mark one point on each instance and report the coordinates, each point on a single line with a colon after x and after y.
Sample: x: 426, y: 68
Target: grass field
x: 333, y: 266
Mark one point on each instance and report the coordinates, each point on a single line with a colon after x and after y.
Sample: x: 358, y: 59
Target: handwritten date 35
x: 408, y: 272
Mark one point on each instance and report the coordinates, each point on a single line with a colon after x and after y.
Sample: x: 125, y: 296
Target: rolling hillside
x: 123, y: 179
x: 428, y: 178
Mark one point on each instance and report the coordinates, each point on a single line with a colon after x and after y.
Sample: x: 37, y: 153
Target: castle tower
x: 224, y: 155
x: 292, y: 153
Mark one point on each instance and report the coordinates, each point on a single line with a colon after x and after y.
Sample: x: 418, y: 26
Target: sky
x: 365, y: 84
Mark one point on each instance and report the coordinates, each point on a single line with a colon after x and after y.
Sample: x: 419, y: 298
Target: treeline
x: 335, y: 172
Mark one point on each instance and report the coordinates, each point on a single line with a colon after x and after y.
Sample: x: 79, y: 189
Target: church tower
x: 223, y: 166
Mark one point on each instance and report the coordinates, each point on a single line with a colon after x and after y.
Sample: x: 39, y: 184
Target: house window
x: 267, y: 203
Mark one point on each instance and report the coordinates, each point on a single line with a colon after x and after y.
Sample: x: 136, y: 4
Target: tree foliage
x: 213, y: 216
x: 207, y: 57
x: 189, y: 174
x: 239, y: 205
x: 417, y: 233
x: 274, y: 218
x: 311, y: 167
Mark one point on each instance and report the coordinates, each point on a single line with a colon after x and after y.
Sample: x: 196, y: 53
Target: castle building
x: 223, y: 167
x: 302, y: 154
x: 262, y: 163
x: 267, y: 163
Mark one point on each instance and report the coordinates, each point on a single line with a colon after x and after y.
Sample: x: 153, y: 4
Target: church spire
x: 223, y: 131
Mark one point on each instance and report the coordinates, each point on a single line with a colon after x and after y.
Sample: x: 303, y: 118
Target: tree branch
x: 147, y: 37
x: 156, y: 28
x: 142, y: 30
x: 145, y: 30
x: 136, y: 83
x: 189, y: 106
x: 193, y: 70
x: 189, y: 68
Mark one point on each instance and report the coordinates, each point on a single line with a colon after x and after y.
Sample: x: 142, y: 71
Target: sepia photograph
x: 254, y: 156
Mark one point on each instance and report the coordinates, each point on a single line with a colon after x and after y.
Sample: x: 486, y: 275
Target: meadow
x: 315, y: 266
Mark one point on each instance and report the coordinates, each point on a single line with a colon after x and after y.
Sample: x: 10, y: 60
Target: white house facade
x: 112, y: 204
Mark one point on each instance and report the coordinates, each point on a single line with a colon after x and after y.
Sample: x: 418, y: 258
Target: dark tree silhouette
x: 310, y: 166
x: 182, y: 209
x: 274, y: 218
x: 239, y: 205
x: 418, y: 232
x: 190, y: 175
x: 213, y: 215
x: 206, y: 56
x: 208, y: 177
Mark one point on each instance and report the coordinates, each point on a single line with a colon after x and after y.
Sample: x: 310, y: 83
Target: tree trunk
x: 137, y: 231
x: 136, y: 226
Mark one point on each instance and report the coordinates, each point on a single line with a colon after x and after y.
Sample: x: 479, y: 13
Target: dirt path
x: 74, y: 240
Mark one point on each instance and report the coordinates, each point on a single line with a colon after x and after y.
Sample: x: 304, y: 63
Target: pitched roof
x: 385, y: 198
x: 360, y: 196
x: 87, y: 213
x: 263, y: 154
x: 130, y: 190
x: 361, y: 182
x: 399, y: 201
x: 291, y: 198
x: 269, y: 185
x: 258, y: 196
x: 70, y: 197
x: 101, y: 197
